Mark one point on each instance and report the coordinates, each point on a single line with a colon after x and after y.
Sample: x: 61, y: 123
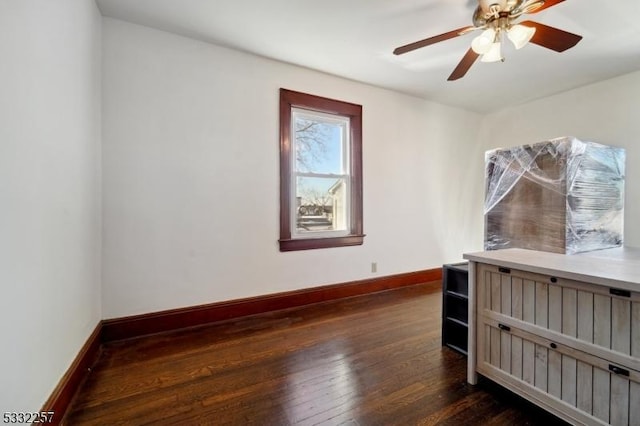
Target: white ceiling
x: 355, y: 38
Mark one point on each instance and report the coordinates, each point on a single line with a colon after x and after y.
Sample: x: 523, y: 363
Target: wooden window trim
x: 288, y: 100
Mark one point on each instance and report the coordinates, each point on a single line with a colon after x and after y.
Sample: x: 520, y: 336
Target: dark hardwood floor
x: 369, y: 360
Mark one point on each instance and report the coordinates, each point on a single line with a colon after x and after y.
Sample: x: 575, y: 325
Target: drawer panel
x: 590, y: 313
x: 562, y: 376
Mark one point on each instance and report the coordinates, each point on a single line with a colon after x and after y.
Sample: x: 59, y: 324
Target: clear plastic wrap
x: 561, y: 196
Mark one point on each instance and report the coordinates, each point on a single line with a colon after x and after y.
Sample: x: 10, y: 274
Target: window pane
x: 319, y: 144
x: 320, y: 204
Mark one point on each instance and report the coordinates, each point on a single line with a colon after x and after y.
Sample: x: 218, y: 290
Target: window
x: 320, y: 172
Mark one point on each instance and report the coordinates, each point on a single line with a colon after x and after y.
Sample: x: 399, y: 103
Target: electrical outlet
x: 374, y: 267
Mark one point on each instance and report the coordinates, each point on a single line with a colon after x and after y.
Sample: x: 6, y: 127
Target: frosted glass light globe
x: 493, y: 55
x: 483, y: 42
x: 520, y: 35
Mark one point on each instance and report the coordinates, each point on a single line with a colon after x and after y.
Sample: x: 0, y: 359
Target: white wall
x: 606, y: 112
x: 190, y: 160
x: 49, y: 192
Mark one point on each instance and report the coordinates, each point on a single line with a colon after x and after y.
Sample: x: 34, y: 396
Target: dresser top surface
x: 618, y: 267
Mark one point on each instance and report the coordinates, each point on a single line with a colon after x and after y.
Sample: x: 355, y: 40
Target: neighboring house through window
x: 320, y: 172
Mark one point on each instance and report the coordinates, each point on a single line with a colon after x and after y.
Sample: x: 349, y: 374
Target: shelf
x: 457, y: 321
x: 456, y: 294
x: 457, y: 348
x: 462, y: 266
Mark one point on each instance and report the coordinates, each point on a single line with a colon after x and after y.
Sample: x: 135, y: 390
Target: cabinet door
x: 575, y: 385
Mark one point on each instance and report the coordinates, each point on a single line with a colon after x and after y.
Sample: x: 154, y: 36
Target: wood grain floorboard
x: 367, y: 360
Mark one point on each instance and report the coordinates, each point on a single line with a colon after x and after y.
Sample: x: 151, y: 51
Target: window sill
x: 319, y: 243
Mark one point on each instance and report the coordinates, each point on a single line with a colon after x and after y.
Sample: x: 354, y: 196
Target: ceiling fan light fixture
x: 482, y: 43
x: 486, y: 5
x: 520, y: 35
x: 495, y: 18
x: 494, y: 54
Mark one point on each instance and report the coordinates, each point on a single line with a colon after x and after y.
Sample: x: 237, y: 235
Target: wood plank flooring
x: 369, y: 360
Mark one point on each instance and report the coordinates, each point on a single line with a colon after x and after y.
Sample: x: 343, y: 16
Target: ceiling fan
x: 498, y: 18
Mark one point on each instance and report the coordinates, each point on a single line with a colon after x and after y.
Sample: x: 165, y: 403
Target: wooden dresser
x: 562, y: 331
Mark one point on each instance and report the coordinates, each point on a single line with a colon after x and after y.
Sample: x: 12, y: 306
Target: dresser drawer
x: 598, y: 315
x: 592, y: 390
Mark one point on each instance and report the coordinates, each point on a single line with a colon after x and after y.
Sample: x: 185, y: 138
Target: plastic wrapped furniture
x: 561, y: 196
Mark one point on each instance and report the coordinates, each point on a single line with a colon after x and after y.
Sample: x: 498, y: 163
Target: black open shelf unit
x: 455, y: 302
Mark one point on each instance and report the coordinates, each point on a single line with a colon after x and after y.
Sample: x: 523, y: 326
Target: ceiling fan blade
x: 464, y: 65
x: 431, y: 40
x: 552, y: 38
x: 546, y: 4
